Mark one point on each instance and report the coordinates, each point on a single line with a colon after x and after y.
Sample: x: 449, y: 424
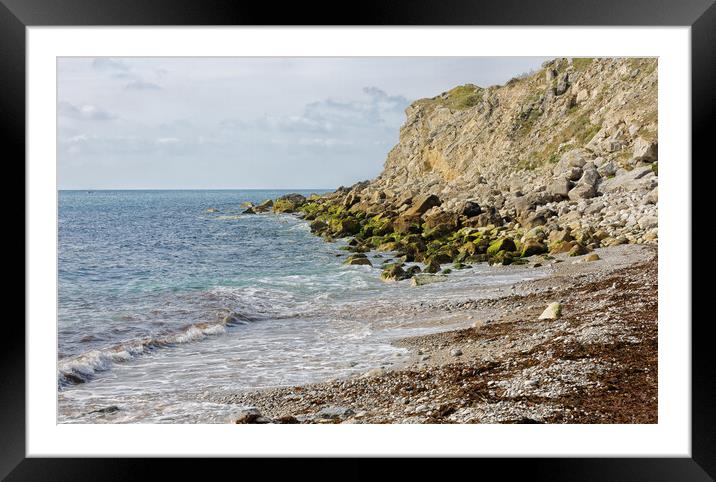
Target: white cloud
x: 107, y: 63
x: 324, y: 142
x: 83, y: 112
x: 244, y: 122
x: 141, y: 85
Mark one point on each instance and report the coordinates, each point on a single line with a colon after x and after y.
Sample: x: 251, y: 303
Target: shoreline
x: 597, y: 363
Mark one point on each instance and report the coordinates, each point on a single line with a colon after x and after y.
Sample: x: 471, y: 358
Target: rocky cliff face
x: 533, y: 134
x: 563, y: 157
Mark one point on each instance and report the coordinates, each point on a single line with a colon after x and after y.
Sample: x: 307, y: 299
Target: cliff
x: 471, y: 141
x: 563, y: 159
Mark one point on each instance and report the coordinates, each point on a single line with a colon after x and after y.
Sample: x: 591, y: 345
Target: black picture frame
x: 16, y: 15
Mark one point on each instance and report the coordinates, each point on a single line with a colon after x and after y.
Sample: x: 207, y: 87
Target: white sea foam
x: 81, y: 368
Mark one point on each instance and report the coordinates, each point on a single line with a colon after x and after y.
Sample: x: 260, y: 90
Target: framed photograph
x: 417, y: 231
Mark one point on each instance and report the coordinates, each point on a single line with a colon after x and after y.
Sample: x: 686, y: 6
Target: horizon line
x: 201, y: 189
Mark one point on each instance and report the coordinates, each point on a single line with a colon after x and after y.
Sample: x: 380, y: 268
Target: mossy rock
x: 344, y: 227
x: 378, y: 226
x: 562, y: 247
x: 284, y: 206
x: 468, y: 248
x: 390, y: 246
x: 477, y: 258
x: 502, y: 257
x: 439, y: 231
x: 441, y: 257
x: 357, y: 260
x: 502, y: 244
x: 532, y: 247
x: 393, y: 273
x: 578, y: 250
x: 406, y: 257
x: 318, y: 227
x: 432, y: 266
x: 446, y: 271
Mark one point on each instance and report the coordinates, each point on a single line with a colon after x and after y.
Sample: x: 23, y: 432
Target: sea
x: 168, y: 299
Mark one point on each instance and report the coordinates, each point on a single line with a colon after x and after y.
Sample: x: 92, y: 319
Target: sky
x: 245, y: 123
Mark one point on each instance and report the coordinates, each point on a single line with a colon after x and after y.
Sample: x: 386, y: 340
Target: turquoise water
x: 161, y: 302
x: 143, y: 263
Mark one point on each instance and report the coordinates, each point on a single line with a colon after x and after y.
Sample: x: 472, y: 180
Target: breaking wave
x: 82, y: 368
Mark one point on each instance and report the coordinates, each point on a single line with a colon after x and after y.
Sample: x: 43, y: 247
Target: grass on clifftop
x: 460, y: 98
x: 581, y: 64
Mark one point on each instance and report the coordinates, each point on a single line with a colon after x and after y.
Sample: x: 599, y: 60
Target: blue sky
x: 251, y: 123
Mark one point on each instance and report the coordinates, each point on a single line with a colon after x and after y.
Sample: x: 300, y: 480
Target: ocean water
x: 161, y: 303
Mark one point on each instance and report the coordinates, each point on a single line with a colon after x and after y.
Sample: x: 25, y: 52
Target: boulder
x: 538, y: 233
x: 424, y: 279
x: 573, y: 158
x: 335, y: 413
x: 248, y: 415
x: 318, y: 226
x: 582, y: 191
x: 645, y: 151
x: 394, y: 273
x: 503, y: 244
x: 533, y: 219
x: 438, y: 218
x: 608, y: 169
x: 295, y: 198
x: 344, y: 227
x: 590, y: 177
x: 577, y: 250
x: 432, y: 266
x: 648, y: 222
x: 482, y: 220
x: 638, y: 179
x: 559, y: 236
x: 375, y: 372
x: 562, y: 247
x: 573, y: 173
x: 350, y: 200
x: 469, y: 209
x: 355, y: 260
x: 405, y: 199
x: 562, y: 84
x: 421, y: 204
x: 407, y: 223
x: 532, y: 247
x: 552, y: 312
x: 288, y: 203
x: 264, y: 206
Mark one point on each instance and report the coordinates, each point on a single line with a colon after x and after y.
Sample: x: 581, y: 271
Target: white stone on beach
x: 552, y: 312
x: 375, y: 372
